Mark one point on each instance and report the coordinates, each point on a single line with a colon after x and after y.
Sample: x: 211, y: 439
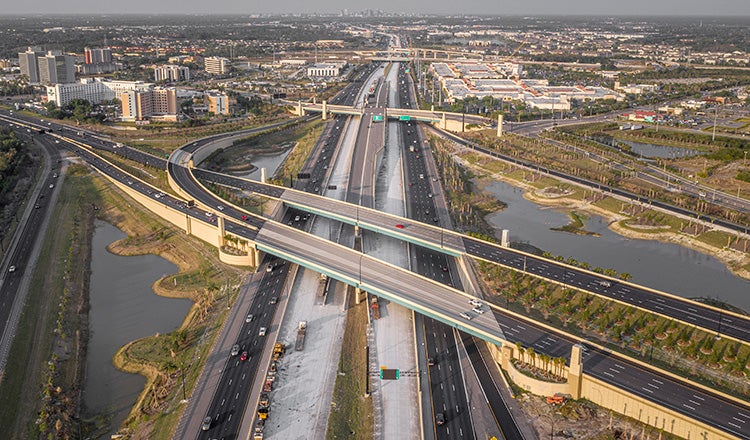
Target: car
x: 475, y: 302
x: 262, y: 331
x: 37, y: 206
x: 51, y: 185
x: 209, y: 214
x: 269, y: 267
x: 605, y: 283
x: 399, y: 226
x: 244, y: 218
x: 430, y: 362
x: 55, y: 175
x: 220, y: 207
x: 249, y: 317
x: 440, y: 419
x: 296, y: 218
x: 421, y: 176
x: 444, y: 268
x: 465, y: 316
x: 206, y: 423
x: 235, y: 350
x: 274, y: 300
x: 429, y: 195
x: 12, y: 269
x: 244, y: 356
x: 478, y: 310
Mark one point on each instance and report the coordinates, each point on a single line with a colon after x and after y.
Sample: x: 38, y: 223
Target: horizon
x: 532, y: 8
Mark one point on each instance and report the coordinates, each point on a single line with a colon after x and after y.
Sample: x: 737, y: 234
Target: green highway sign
x: 377, y: 118
x: 404, y: 118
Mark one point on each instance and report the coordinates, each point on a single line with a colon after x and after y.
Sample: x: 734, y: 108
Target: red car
x: 244, y: 218
x: 400, y: 226
x: 243, y: 356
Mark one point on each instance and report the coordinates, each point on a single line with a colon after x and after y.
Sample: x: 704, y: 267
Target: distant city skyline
x: 733, y: 8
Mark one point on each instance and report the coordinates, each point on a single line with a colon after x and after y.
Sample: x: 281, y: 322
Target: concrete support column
x: 300, y: 110
x: 443, y: 123
x: 575, y: 372
x: 499, y: 125
x: 505, y: 238
x: 359, y: 295
x: 188, y: 225
x: 325, y: 110
x: 263, y: 176
x: 191, y: 164
x: 220, y: 225
x: 507, y: 355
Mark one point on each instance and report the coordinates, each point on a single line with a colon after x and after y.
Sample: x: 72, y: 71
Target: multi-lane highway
x: 440, y: 301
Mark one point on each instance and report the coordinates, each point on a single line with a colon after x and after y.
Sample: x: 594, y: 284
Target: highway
x: 17, y: 258
x: 443, y: 303
x: 422, y: 232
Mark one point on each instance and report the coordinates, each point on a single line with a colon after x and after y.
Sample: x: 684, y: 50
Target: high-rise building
x: 218, y: 103
x: 138, y: 105
x: 216, y: 65
x: 56, y: 68
x: 171, y: 72
x: 29, y: 65
x: 97, y: 56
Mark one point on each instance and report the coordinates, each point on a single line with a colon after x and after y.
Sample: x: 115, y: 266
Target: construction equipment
x: 301, y: 331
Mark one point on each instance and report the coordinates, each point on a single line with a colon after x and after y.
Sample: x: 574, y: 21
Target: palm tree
x: 532, y: 356
x: 521, y: 351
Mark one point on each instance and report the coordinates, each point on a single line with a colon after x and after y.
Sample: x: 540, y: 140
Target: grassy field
x: 351, y: 412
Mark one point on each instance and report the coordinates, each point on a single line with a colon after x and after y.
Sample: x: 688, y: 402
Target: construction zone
x: 264, y: 402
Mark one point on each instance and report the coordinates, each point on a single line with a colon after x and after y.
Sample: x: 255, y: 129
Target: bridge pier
x: 443, y: 123
x: 499, y: 125
x: 575, y: 372
x: 359, y: 295
x: 220, y: 226
x: 300, y: 109
x: 325, y: 110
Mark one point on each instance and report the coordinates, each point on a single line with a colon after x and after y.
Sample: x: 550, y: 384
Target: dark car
x: 440, y: 419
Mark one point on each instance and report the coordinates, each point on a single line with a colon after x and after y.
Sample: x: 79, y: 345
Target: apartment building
x: 156, y: 103
x: 216, y: 65
x: 171, y: 73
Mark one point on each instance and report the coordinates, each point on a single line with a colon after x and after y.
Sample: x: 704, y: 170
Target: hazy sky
x: 496, y: 7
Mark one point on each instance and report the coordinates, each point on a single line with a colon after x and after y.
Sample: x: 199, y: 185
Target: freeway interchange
x: 426, y: 296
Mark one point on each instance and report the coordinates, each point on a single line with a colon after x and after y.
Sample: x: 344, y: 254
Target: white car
x: 220, y: 208
x: 12, y: 269
x: 465, y: 316
x: 249, y: 318
x: 262, y: 331
x: 475, y: 303
x: 478, y: 310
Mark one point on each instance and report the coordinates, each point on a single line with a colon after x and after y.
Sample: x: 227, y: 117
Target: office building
x: 216, y: 65
x: 56, y: 68
x: 218, y: 103
x: 325, y: 70
x: 97, y: 56
x: 29, y: 65
x: 171, y: 73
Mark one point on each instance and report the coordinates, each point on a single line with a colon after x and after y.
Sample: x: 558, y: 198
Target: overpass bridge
x: 450, y: 121
x: 691, y: 313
